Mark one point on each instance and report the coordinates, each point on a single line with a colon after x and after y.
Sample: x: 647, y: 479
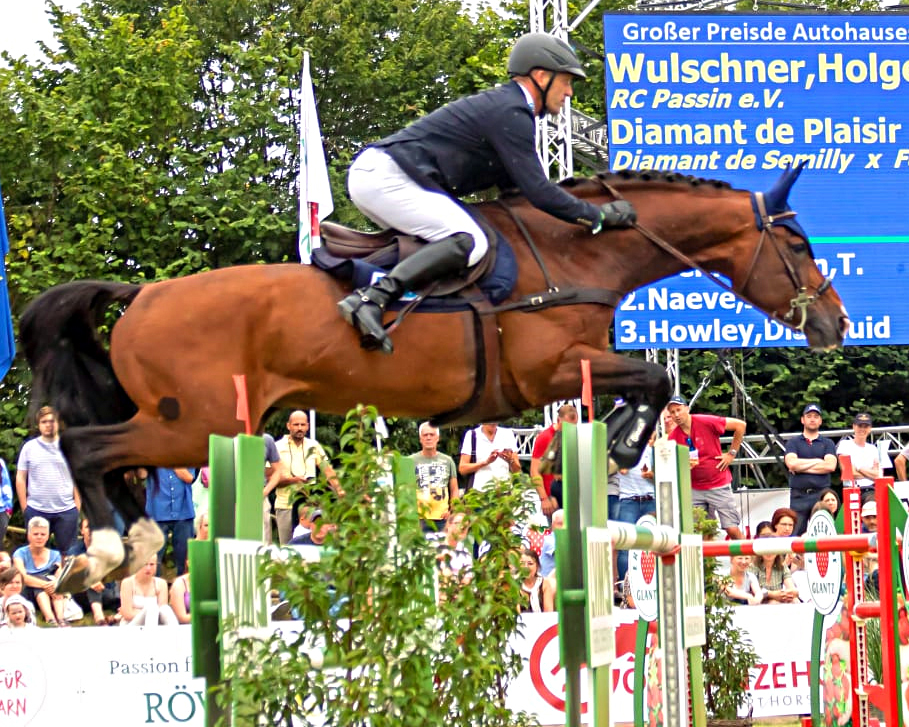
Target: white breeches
x: 384, y: 193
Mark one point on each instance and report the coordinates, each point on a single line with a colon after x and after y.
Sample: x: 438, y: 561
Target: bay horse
x: 166, y: 382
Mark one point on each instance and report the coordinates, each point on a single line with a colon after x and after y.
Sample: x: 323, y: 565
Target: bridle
x: 802, y: 299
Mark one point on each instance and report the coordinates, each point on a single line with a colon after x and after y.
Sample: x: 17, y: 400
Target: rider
x: 411, y: 180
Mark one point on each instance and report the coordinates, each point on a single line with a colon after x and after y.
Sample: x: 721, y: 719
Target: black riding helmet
x: 541, y: 50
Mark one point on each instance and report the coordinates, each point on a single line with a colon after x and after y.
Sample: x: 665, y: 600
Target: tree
x: 161, y: 139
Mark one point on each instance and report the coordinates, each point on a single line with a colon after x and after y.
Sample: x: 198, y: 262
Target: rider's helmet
x: 541, y: 50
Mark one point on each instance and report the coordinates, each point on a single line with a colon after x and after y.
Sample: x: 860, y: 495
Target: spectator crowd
x: 44, y: 490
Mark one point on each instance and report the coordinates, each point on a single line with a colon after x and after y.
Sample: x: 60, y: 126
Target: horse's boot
x: 629, y: 432
x: 364, y: 307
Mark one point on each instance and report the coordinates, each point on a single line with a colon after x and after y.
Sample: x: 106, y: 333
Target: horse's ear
x: 776, y: 198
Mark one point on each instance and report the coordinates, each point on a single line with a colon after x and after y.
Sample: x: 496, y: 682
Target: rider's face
x: 560, y: 90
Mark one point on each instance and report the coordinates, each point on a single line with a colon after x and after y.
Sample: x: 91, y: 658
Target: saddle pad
x: 495, y: 285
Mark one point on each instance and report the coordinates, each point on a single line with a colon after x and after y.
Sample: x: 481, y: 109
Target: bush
x: 400, y: 658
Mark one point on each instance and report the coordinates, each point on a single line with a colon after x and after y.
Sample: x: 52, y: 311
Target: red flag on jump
x: 846, y: 468
x: 586, y: 388
x: 242, y: 401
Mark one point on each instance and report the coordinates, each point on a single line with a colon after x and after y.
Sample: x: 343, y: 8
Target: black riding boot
x: 363, y: 308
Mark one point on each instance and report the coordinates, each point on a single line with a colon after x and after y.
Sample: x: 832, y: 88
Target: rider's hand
x: 615, y: 214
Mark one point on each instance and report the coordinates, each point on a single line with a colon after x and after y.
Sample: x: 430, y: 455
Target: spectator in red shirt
x: 550, y: 497
x: 711, y: 487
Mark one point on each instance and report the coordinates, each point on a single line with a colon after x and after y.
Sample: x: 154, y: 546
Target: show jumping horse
x: 166, y: 383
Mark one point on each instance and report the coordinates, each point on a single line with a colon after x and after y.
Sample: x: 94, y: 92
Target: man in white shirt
x: 866, y: 467
x: 495, y: 455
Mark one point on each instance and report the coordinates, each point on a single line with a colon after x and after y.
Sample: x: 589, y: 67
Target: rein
x: 801, y: 301
x: 553, y: 295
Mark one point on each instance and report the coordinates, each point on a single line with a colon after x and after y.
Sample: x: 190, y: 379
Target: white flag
x: 315, y: 191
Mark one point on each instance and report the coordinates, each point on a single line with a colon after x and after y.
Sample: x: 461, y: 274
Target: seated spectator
x: 453, y: 557
x: 774, y: 579
x: 179, y: 591
x: 179, y: 598
x: 17, y: 613
x: 869, y: 517
x: 11, y: 585
x: 547, y: 553
x: 201, y: 526
x: 38, y: 565
x: 320, y: 529
x: 829, y: 500
x: 743, y: 587
x: 304, y: 524
x: 763, y: 529
x: 143, y: 598
x: 783, y: 522
x: 800, y: 577
x: 536, y: 590
x: 99, y: 596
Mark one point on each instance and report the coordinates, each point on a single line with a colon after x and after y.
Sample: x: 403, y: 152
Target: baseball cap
x: 869, y: 509
x: 811, y: 407
x: 678, y: 400
x: 862, y: 418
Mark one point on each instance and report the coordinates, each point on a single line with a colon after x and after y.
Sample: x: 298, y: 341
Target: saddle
x: 356, y: 257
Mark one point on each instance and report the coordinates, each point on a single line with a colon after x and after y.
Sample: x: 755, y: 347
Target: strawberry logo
x: 823, y: 562
x: 648, y: 566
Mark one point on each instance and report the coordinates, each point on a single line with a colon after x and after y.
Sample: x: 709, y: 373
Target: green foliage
x: 160, y: 140
x: 399, y: 657
x: 728, y: 655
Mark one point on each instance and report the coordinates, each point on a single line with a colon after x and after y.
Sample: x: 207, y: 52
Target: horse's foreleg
x: 644, y: 386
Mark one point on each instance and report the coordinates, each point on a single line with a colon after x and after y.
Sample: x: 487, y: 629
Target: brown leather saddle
x: 389, y: 247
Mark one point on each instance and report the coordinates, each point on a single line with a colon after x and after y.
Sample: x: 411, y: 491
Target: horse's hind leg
x: 106, y: 550
x: 86, y: 452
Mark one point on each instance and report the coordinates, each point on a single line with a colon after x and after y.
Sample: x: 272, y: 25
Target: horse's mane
x: 644, y: 176
x: 588, y: 186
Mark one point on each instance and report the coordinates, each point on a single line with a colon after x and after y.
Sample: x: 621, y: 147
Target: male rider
x: 411, y: 181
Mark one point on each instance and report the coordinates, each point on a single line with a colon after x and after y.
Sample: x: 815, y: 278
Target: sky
x: 24, y: 23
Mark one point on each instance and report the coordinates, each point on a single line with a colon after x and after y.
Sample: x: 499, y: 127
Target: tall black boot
x: 364, y: 307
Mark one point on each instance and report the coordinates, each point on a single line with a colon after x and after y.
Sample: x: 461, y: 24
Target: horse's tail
x: 71, y: 368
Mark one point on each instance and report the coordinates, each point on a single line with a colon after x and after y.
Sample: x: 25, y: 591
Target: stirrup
x: 370, y: 340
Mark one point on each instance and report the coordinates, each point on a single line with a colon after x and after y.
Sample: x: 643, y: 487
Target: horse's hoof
x: 625, y: 458
x: 74, y: 576
x: 144, y: 540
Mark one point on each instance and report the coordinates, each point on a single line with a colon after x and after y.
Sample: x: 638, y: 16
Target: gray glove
x: 615, y: 214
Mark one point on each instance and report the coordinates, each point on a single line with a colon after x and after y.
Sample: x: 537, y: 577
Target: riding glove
x: 615, y: 214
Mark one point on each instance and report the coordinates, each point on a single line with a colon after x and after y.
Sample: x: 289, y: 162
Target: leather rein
x: 800, y: 302
x: 555, y: 296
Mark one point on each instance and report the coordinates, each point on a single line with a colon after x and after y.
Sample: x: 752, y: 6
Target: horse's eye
x: 798, y: 247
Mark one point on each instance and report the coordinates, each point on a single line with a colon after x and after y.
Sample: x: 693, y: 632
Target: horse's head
x: 779, y: 275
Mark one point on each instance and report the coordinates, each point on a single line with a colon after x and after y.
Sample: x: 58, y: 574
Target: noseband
x: 800, y: 302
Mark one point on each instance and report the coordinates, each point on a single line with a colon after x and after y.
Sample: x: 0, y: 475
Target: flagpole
x: 315, y: 189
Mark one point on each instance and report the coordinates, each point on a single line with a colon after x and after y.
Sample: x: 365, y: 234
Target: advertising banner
x: 144, y: 676
x: 738, y: 98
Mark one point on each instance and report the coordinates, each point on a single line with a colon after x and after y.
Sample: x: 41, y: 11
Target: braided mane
x: 643, y: 176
